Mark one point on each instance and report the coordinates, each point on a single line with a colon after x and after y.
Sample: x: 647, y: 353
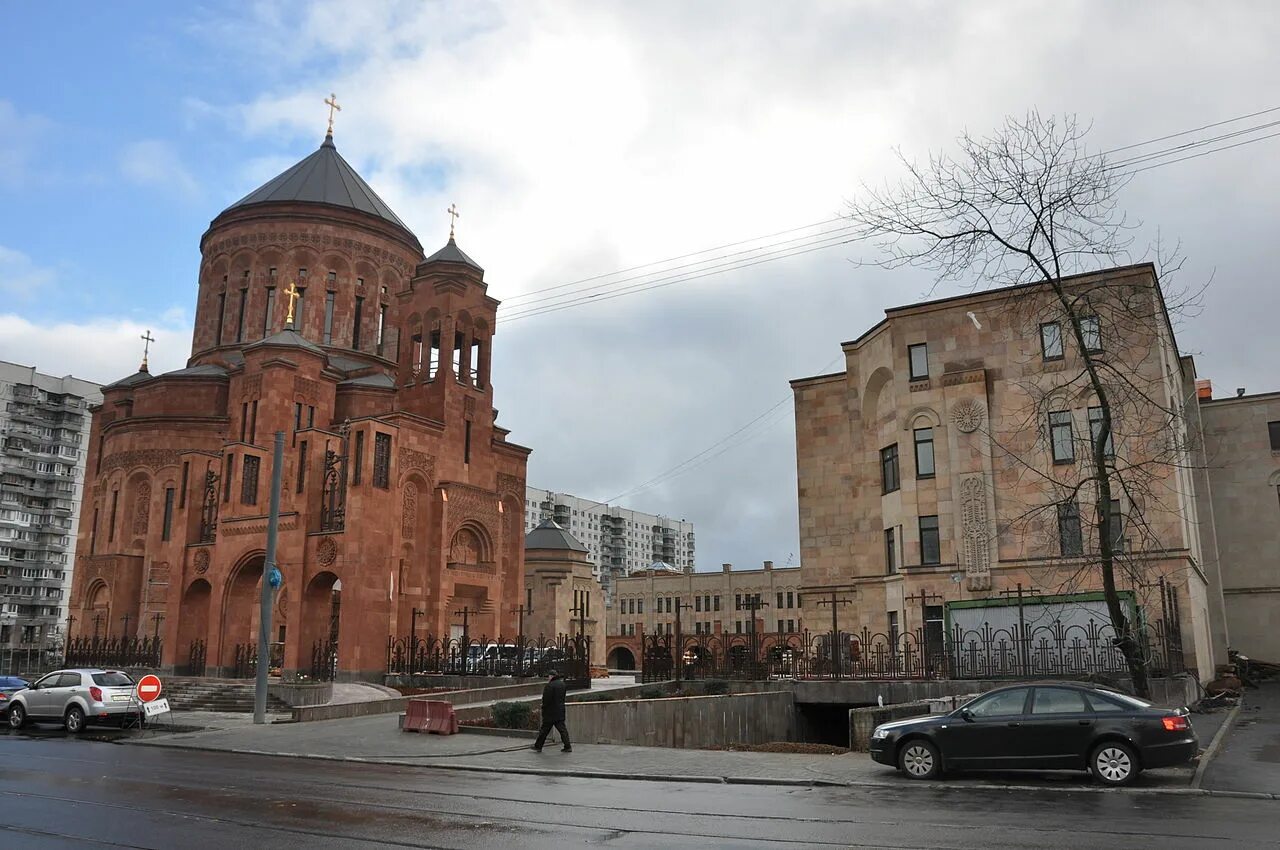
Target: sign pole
x: 268, y: 566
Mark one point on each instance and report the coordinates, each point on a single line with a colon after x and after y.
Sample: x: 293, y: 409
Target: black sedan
x: 1058, y: 726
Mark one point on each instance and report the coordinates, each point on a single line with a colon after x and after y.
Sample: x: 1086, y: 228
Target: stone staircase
x: 199, y: 694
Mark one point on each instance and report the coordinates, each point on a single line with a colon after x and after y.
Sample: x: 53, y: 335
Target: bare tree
x: 1030, y: 205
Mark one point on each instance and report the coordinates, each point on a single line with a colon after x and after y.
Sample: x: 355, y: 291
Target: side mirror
x: 967, y: 715
x: 34, y: 686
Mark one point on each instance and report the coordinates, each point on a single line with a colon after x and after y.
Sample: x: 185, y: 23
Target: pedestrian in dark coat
x: 553, y: 713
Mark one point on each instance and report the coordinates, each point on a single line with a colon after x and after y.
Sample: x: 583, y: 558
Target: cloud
x: 20, y: 136
x: 102, y: 349
x: 21, y: 278
x: 154, y: 163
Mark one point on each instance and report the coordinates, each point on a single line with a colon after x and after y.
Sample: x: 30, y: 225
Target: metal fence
x: 114, y: 652
x: 1056, y: 650
x: 28, y: 662
x: 568, y: 655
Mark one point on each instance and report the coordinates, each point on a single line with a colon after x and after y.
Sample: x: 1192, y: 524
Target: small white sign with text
x: 155, y: 707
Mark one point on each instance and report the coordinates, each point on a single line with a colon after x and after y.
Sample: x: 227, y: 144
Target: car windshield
x: 112, y: 680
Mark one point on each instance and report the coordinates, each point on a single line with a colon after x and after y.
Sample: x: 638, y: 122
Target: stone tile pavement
x: 1249, y: 757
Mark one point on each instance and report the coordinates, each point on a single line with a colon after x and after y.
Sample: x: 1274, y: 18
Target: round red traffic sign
x: 148, y: 688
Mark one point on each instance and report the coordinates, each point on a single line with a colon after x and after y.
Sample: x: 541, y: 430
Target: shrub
x: 715, y: 687
x: 651, y: 692
x: 512, y: 715
x: 596, y: 698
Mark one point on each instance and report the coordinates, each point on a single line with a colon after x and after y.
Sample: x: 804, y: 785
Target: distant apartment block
x: 619, y: 540
x: 44, y: 429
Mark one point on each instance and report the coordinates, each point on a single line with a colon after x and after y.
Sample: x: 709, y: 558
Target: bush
x: 715, y: 687
x: 596, y: 698
x: 651, y: 692
x: 512, y: 715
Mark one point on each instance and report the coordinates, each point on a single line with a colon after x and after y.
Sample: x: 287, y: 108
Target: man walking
x: 553, y: 713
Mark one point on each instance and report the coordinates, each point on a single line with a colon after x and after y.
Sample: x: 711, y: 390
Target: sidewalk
x: 1249, y: 758
x: 377, y: 739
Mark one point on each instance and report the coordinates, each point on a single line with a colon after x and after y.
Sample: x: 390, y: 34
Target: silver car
x: 77, y: 698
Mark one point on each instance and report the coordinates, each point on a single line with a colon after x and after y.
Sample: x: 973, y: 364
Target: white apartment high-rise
x: 44, y: 431
x: 618, y: 539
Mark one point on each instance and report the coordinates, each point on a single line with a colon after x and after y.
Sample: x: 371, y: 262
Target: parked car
x: 77, y: 698
x: 10, y: 685
x: 1050, y: 726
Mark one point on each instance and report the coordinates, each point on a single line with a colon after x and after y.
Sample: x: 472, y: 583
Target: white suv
x: 76, y: 698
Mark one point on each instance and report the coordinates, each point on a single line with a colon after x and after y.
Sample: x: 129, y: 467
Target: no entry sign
x: 148, y: 688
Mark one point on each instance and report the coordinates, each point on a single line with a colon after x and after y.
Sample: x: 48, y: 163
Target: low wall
x: 299, y: 694
x: 863, y: 721
x: 685, y: 722
x: 1174, y: 691
x: 392, y: 705
x: 454, y: 682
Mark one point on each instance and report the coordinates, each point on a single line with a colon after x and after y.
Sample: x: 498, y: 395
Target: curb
x: 717, y: 780
x: 1215, y: 745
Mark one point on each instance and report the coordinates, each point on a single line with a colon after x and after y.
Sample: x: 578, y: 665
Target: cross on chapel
x: 147, y: 339
x: 453, y: 218
x: 332, y: 102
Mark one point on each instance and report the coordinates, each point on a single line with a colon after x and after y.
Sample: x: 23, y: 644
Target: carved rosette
x: 201, y: 561
x: 975, y: 548
x: 327, y: 551
x: 968, y: 415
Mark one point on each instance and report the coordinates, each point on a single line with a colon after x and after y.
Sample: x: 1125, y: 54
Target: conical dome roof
x: 550, y: 535
x: 322, y: 178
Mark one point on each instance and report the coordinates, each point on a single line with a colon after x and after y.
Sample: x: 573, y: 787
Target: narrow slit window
x: 271, y: 306
x: 249, y: 484
x: 222, y: 309
x: 329, y: 298
x: 244, y: 301
x: 355, y: 322
x: 433, y: 356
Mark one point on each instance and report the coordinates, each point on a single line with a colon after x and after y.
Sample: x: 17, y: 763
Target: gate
x: 196, y: 658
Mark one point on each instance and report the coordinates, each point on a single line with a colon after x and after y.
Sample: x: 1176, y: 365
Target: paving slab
x: 1249, y: 758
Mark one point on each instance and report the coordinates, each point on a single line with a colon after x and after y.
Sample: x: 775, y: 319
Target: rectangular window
x: 1070, y: 542
x: 1095, y: 431
x: 466, y: 443
x: 639, y: 606
x: 227, y: 475
x: 311, y: 416
x: 382, y: 460
x: 889, y: 469
x: 1273, y: 430
x: 791, y: 625
x: 115, y: 505
x: 930, y: 545
x: 222, y: 309
x: 779, y: 606
x: 93, y: 533
x: 333, y: 278
x: 253, y: 421
x: 737, y: 602
x: 249, y: 486
x: 918, y: 355
x: 780, y: 625
x: 893, y: 630
x: 302, y: 466
x: 890, y: 552
x: 244, y: 299
x: 1060, y: 437
x: 166, y: 529
x: 1117, y: 526
x: 244, y: 420
x: 182, y: 494
x: 357, y: 465
x: 737, y: 626
x: 299, y: 306
x: 328, y: 317
x: 1051, y: 340
x: 924, y: 452
x: 697, y: 603
x: 1091, y: 331
x: 716, y: 602
x: 382, y: 326
x: 355, y: 322
x: 271, y: 306
x: 297, y: 416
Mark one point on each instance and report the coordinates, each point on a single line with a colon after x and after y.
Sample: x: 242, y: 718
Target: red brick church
x: 317, y: 314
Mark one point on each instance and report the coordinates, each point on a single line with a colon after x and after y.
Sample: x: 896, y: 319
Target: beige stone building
x: 1242, y: 459
x: 709, y: 603
x: 562, y: 596
x: 948, y: 461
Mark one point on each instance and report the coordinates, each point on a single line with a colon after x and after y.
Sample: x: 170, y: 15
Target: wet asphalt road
x: 59, y: 792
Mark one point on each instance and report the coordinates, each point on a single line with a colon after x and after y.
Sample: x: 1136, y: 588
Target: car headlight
x: 880, y: 732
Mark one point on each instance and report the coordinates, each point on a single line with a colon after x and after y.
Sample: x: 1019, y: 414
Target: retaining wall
x: 863, y: 721
x: 685, y: 722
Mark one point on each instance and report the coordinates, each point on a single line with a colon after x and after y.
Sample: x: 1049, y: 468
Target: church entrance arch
x: 321, y: 622
x: 621, y: 659
x: 97, y: 613
x: 240, y: 610
x: 193, y: 625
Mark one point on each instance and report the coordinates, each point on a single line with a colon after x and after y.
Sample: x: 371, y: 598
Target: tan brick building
x: 710, y: 603
x: 317, y: 314
x: 949, y: 457
x: 562, y: 595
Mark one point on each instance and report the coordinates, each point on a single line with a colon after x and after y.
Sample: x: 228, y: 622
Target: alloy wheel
x: 17, y: 717
x: 1113, y: 764
x: 917, y: 760
x: 75, y: 720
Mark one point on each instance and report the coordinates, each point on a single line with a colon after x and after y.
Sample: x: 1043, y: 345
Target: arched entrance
x: 240, y: 611
x: 97, y: 611
x: 621, y: 658
x: 321, y: 625
x: 193, y: 627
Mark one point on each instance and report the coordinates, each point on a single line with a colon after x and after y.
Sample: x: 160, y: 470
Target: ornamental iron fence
x: 1054, y: 650
x: 567, y: 655
x: 113, y: 652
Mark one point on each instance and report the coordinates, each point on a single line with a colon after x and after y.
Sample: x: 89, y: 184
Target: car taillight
x: 3, y: 697
x: 96, y: 693
x: 1176, y: 723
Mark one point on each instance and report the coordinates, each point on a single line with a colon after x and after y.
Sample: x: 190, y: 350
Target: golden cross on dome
x: 453, y: 217
x: 293, y: 294
x: 147, y: 339
x: 332, y: 101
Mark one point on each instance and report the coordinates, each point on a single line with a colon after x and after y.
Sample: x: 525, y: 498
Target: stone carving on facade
x: 142, y: 507
x: 353, y: 247
x: 327, y: 551
x: 409, y: 510
x: 251, y: 387
x: 421, y: 461
x: 159, y: 572
x: 968, y: 415
x: 975, y: 536
x: 468, y: 407
x: 236, y: 528
x: 466, y: 502
x: 307, y: 388
x: 150, y: 458
x: 511, y: 485
x: 201, y: 561
x: 465, y: 548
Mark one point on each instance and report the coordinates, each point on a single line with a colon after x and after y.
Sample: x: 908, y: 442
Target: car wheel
x: 919, y: 759
x: 17, y: 716
x: 74, y: 721
x: 1114, y: 763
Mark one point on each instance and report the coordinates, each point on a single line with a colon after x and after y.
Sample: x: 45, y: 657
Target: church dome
x: 324, y: 177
